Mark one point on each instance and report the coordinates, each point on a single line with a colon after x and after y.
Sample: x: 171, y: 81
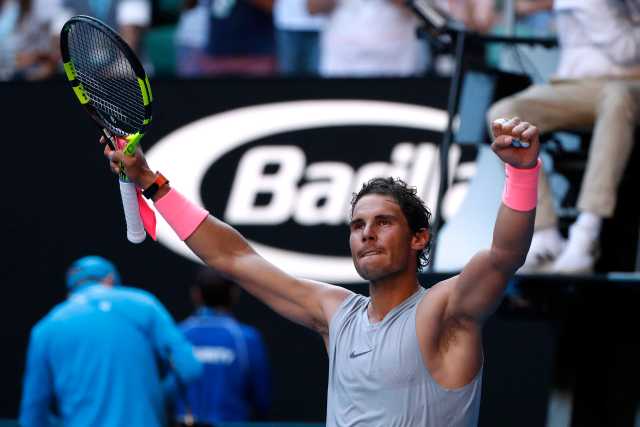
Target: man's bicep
x: 477, y: 291
x: 302, y: 301
x: 223, y: 248
x: 316, y: 304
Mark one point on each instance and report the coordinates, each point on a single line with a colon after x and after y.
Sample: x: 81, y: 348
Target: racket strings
x: 105, y: 87
x: 113, y: 89
x: 108, y: 78
x: 102, y: 102
x: 110, y: 67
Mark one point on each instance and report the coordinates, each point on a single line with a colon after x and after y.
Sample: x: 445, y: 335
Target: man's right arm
x: 306, y: 302
x: 221, y: 247
x: 173, y: 348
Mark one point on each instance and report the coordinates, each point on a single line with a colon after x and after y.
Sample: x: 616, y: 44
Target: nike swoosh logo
x: 353, y: 354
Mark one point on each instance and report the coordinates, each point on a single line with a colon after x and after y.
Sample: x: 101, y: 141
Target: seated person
x: 596, y: 86
x: 219, y: 37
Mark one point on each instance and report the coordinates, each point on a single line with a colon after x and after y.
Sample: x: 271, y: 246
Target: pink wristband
x: 521, y: 187
x: 182, y: 215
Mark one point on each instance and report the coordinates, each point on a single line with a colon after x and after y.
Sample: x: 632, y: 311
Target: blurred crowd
x: 196, y: 38
x: 590, y: 83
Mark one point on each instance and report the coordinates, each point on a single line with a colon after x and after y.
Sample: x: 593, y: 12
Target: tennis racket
x: 111, y: 84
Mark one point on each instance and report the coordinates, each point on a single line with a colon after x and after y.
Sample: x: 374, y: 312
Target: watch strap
x: 157, y: 184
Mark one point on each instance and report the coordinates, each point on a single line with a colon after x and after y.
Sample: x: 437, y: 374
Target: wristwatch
x: 157, y: 184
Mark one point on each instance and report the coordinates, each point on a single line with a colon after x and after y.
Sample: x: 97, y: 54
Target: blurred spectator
x: 191, y: 37
x: 96, y: 357
x: 235, y: 385
x: 597, y: 86
x: 25, y: 46
x: 534, y: 18
x: 240, y: 38
x: 297, y: 37
x: 485, y: 16
x: 476, y: 15
x: 535, y: 14
x: 129, y: 17
x: 369, y: 38
x: 10, y: 11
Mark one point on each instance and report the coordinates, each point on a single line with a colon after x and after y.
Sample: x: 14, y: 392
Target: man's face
x: 381, y: 241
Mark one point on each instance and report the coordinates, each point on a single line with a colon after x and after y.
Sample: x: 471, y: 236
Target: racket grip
x: 135, y: 228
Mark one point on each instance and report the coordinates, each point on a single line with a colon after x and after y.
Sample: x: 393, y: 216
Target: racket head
x: 106, y: 77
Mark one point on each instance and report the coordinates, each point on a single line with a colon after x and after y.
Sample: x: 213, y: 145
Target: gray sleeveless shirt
x: 377, y: 377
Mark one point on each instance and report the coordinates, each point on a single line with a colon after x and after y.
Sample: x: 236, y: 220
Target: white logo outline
x: 187, y: 153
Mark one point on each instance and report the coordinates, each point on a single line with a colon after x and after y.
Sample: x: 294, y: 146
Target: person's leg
x: 610, y: 148
x: 310, y: 52
x: 549, y: 107
x: 611, y: 145
x: 287, y: 52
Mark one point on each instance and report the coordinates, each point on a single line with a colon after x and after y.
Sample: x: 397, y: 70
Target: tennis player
x: 405, y: 356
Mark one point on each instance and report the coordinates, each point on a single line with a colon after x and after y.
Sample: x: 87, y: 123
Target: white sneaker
x: 580, y: 254
x: 545, y: 247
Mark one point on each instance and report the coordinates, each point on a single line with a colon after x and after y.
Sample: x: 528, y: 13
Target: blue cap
x: 91, y: 269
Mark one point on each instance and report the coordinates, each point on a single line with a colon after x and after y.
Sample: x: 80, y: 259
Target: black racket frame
x: 129, y: 54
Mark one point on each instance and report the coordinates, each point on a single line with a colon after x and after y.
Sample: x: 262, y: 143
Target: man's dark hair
x: 417, y: 214
x: 216, y: 290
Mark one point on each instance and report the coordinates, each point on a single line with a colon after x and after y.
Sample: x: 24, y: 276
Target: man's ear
x: 108, y: 280
x: 420, y: 239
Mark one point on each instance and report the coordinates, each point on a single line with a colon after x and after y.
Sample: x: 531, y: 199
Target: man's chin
x: 372, y: 274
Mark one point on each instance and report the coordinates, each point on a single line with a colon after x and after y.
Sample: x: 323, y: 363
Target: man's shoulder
x: 349, y: 307
x: 444, y: 286
x: 437, y: 296
x: 353, y: 300
x: 191, y: 323
x: 250, y: 332
x: 135, y: 295
x: 58, y: 313
x: 137, y: 301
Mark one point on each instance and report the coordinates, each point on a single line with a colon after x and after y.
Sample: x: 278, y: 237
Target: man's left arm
x: 480, y: 286
x: 37, y: 390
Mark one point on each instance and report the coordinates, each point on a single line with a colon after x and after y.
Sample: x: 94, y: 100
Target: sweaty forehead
x: 376, y: 204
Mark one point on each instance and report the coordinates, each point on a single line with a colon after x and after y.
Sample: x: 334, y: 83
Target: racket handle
x: 135, y: 228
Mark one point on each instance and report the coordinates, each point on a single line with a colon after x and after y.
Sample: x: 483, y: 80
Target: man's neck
x: 389, y: 293
x: 216, y: 309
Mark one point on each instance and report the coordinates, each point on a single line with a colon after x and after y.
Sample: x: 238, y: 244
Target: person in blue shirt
x: 97, y: 358
x: 235, y: 385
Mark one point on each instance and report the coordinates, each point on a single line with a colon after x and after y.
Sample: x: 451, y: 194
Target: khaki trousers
x: 608, y: 107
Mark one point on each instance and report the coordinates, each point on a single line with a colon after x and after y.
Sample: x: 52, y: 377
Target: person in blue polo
x: 106, y: 357
x: 235, y: 384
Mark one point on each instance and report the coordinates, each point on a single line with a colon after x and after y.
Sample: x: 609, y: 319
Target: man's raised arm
x: 221, y: 247
x: 478, y: 289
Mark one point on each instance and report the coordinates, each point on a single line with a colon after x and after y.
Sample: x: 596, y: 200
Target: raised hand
x: 135, y: 167
x: 516, y: 142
